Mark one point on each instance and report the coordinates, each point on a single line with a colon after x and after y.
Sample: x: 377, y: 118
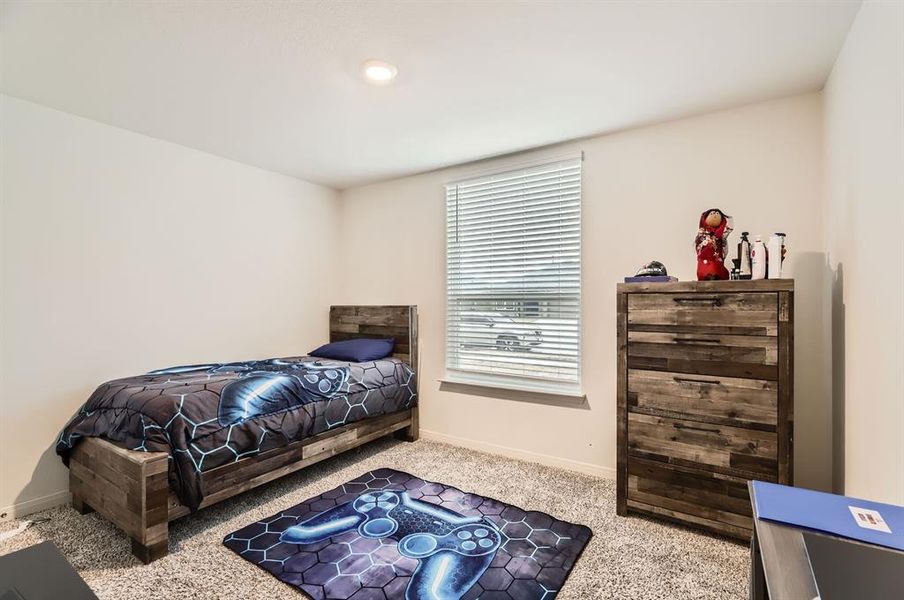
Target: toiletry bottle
x: 776, y: 254
x: 758, y: 259
x: 744, y: 256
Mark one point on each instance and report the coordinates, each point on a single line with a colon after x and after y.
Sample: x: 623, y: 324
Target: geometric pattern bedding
x: 389, y: 535
x: 206, y: 416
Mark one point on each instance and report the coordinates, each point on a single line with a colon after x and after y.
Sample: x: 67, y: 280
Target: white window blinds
x: 513, y: 260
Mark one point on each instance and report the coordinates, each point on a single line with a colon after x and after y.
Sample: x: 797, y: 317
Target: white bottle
x: 758, y: 259
x: 776, y: 244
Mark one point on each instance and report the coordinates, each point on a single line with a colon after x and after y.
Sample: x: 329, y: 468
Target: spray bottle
x: 744, y: 257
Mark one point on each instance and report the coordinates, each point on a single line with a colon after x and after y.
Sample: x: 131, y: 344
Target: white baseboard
x: 27, y: 507
x: 543, y: 459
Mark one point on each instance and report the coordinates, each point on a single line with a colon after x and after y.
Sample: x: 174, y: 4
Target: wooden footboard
x: 131, y: 490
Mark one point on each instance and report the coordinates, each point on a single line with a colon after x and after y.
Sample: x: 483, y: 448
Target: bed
x: 146, y: 450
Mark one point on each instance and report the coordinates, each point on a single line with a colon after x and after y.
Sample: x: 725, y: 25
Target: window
x: 513, y: 261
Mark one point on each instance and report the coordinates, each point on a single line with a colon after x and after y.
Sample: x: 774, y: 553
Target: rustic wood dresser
x: 705, y: 398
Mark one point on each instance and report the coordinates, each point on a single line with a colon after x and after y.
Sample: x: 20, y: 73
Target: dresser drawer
x: 699, y: 498
x: 725, y: 449
x: 748, y: 403
x: 727, y: 313
x: 746, y: 356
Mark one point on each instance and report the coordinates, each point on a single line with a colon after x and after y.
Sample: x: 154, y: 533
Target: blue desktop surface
x: 828, y: 513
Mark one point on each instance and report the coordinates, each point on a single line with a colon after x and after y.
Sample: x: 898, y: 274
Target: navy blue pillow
x: 356, y: 350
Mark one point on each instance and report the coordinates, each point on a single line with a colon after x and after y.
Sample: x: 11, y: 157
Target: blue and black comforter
x: 205, y: 416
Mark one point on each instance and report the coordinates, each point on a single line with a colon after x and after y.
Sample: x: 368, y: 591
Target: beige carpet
x: 627, y: 557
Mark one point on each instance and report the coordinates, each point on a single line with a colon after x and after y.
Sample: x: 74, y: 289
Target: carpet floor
x: 626, y: 558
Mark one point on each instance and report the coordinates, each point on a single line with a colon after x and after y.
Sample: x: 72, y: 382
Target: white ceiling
x: 277, y: 85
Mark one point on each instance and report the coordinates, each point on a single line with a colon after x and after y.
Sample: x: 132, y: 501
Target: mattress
x: 209, y: 415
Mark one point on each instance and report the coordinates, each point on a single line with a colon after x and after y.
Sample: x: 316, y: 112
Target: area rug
x: 388, y: 535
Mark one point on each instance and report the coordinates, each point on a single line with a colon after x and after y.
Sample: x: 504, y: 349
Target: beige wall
x: 122, y: 253
x: 643, y: 192
x: 864, y: 119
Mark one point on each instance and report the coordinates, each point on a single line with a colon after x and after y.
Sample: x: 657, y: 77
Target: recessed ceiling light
x: 378, y: 71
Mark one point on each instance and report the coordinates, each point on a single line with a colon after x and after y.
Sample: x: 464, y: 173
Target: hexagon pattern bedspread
x: 208, y: 415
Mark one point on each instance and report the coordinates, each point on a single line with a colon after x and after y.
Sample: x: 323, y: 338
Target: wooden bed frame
x: 131, y: 488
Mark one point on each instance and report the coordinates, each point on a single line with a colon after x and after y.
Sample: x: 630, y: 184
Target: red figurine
x: 711, y: 244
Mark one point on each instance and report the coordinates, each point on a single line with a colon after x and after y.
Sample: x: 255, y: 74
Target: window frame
x: 545, y: 386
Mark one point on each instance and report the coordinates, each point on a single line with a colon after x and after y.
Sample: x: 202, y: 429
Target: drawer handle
x: 694, y: 341
x: 693, y: 428
x: 689, y: 380
x: 714, y: 300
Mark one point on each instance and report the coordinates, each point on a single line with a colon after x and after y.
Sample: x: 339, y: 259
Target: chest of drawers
x: 705, y: 398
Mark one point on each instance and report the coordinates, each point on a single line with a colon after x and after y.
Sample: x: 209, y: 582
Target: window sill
x: 537, y: 390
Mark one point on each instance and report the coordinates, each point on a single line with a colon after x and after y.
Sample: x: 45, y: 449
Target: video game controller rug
x: 388, y: 535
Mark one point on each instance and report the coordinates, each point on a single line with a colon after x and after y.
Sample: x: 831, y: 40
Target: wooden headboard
x: 365, y: 321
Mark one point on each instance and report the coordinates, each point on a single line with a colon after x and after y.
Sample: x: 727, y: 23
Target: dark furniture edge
x: 621, y: 328
x: 751, y: 286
